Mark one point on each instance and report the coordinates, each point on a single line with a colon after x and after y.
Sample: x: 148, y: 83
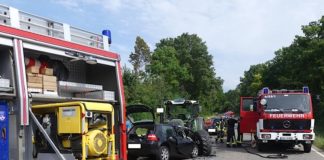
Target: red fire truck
x: 279, y: 116
x: 45, y: 62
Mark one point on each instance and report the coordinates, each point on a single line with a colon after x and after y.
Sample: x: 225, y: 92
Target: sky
x: 238, y: 33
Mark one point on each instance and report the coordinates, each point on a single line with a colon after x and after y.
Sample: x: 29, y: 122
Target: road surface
x: 221, y: 152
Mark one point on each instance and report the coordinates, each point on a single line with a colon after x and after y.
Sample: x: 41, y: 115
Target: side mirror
x: 255, y: 104
x: 264, y: 102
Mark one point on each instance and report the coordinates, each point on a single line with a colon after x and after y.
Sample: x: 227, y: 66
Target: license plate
x: 286, y: 138
x: 134, y: 146
x: 211, y: 130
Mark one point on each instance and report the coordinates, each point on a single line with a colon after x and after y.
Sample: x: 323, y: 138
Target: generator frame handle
x: 40, y: 127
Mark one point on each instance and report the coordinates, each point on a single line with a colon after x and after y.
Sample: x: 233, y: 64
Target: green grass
x: 319, y: 130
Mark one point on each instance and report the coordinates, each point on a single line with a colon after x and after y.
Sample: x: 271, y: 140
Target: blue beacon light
x: 265, y: 90
x: 305, y: 89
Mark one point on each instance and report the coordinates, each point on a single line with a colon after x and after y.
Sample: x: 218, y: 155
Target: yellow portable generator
x: 84, y: 129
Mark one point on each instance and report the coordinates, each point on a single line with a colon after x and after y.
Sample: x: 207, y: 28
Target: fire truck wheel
x: 307, y: 148
x: 260, y: 146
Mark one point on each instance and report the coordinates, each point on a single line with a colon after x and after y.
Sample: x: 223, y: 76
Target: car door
x: 184, y: 144
x: 248, y: 115
x: 170, y: 138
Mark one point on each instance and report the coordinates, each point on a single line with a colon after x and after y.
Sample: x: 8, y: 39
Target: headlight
x: 307, y: 136
x: 266, y: 136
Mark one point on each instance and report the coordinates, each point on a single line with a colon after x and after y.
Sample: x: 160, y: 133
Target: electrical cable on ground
x: 272, y: 156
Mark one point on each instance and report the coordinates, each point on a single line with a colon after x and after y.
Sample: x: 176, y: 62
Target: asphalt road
x: 220, y: 151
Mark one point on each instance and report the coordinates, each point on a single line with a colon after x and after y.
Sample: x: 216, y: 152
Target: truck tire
x: 203, y: 142
x: 307, y: 148
x: 260, y: 146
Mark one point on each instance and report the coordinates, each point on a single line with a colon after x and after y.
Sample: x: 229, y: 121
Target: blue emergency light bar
x: 265, y: 90
x: 108, y: 34
x: 305, y: 89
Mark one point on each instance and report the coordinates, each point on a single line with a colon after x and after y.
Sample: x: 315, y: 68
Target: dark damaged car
x: 157, y: 141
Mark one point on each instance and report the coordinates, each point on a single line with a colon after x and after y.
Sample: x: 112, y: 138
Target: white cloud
x: 238, y: 33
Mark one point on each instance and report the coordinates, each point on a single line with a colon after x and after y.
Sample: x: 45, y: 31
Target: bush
x: 319, y: 141
x: 319, y: 130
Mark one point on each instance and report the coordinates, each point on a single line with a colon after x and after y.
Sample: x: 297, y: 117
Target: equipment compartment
x: 7, y: 79
x: 81, y: 78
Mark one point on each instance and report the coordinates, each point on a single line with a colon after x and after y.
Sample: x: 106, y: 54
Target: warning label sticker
x: 2, y: 116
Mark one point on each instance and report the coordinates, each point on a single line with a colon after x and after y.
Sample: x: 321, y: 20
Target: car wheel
x: 195, y: 152
x: 164, y: 153
x: 132, y: 158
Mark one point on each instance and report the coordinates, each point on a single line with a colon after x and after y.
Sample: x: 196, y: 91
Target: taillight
x: 152, y: 137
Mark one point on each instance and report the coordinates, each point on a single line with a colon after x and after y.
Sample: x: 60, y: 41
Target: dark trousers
x: 230, y: 137
x: 239, y: 139
x: 220, y: 136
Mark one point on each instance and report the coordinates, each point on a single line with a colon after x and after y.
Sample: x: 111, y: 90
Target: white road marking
x: 318, y: 152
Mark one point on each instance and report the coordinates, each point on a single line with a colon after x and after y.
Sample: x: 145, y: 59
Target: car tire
x: 203, y: 142
x: 307, y: 148
x: 163, y: 154
x: 195, y: 152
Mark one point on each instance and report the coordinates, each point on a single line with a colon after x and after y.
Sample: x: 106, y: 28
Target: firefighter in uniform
x: 239, y: 134
x: 220, y: 130
x: 231, y: 140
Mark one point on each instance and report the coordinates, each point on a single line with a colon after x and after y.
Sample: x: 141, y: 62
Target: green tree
x: 140, y: 57
x: 201, y: 82
x: 166, y: 66
x: 231, y: 102
x: 251, y: 83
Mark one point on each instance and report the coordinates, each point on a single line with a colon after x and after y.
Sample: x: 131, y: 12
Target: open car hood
x: 138, y: 109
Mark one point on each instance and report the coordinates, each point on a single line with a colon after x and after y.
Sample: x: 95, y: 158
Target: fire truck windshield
x: 294, y: 103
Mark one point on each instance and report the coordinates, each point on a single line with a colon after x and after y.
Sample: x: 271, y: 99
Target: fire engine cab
x: 279, y: 116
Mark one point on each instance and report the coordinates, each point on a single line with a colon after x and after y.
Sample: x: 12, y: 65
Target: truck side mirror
x: 255, y: 104
x: 264, y: 102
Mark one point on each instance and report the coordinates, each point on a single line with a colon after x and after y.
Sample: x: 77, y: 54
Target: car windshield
x: 295, y: 103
